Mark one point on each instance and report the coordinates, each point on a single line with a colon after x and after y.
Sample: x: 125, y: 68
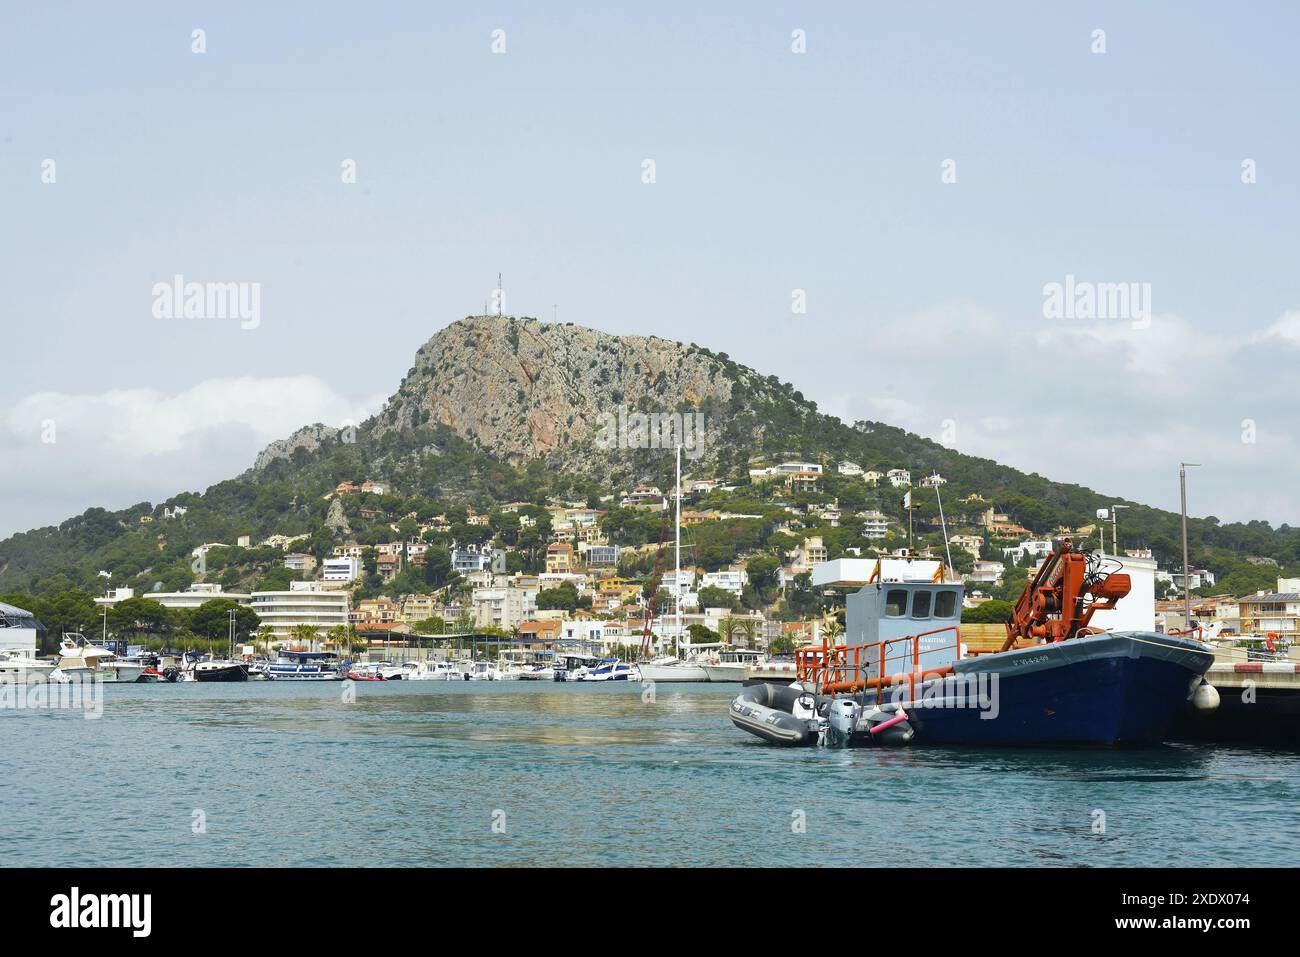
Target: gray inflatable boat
x: 791, y: 715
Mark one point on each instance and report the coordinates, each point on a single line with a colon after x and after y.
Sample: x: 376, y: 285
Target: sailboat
x: 686, y: 667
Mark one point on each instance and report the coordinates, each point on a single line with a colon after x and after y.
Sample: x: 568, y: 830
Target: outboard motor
x: 843, y: 718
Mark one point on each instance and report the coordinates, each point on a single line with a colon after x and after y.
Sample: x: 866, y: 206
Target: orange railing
x: 836, y: 669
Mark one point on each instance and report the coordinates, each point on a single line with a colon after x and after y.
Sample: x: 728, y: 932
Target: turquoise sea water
x: 418, y: 773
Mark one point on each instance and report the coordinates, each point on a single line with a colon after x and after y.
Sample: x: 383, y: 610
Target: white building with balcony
x: 192, y: 597
x: 341, y: 568
x: 875, y: 524
x: 305, y: 603
x: 731, y: 580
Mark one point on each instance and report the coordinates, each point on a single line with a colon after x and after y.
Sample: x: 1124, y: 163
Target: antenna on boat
x: 944, y: 527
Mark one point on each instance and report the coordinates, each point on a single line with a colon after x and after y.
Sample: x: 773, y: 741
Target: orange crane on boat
x: 1061, y: 598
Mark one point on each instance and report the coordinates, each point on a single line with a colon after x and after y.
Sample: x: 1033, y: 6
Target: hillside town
x: 601, y: 572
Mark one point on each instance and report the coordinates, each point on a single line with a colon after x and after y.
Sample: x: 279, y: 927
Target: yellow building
x: 560, y: 559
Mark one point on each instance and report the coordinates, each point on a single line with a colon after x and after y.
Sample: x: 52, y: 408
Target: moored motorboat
x: 215, y: 670
x: 80, y: 660
x: 435, y: 671
x: 608, y: 669
x: 483, y: 671
x: 570, y: 664
x: 731, y: 665
x: 304, y: 666
x: 17, y: 667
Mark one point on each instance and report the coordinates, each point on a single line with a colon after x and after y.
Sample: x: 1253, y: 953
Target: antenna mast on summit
x: 501, y: 293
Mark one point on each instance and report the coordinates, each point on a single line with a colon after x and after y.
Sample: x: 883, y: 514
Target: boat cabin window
x: 945, y: 604
x: 895, y: 603
x: 921, y: 605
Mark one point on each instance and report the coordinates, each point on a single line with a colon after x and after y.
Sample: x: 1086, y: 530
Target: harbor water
x: 521, y: 773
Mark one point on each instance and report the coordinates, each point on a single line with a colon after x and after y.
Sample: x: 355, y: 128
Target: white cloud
x: 1099, y: 403
x: 1286, y: 329
x: 124, y: 446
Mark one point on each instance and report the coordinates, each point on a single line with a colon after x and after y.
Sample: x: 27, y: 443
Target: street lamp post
x: 1187, y: 572
x: 1114, y: 526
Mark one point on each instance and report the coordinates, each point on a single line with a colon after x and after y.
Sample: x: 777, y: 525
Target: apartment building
x: 875, y: 524
x: 305, y: 603
x: 374, y: 611
x: 300, y: 562
x: 503, y: 607
x: 560, y: 559
x: 1271, y: 613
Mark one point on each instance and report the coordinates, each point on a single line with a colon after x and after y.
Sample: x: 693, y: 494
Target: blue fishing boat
x: 903, y: 674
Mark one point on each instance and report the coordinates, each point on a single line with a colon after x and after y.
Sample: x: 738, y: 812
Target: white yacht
x: 731, y: 665
x: 79, y: 660
x: 434, y: 671
x: 19, y: 667
x: 514, y: 665
x: 538, y: 672
x: 484, y: 671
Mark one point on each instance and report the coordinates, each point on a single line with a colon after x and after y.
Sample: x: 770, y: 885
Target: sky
x: 916, y: 175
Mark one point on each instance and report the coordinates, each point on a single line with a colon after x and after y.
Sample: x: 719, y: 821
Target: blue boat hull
x: 1105, y: 690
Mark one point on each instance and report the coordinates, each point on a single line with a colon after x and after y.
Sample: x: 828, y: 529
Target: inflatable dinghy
x: 793, y: 716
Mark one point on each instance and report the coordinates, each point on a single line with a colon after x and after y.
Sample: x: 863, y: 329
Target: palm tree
x: 305, y: 634
x: 728, y: 626
x: 340, y: 636
x: 749, y: 629
x: 265, y: 635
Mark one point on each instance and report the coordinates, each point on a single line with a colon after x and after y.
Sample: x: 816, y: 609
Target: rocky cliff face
x: 309, y: 437
x: 524, y: 389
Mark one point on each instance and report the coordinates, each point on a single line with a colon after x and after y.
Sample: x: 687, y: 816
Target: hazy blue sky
x: 775, y: 171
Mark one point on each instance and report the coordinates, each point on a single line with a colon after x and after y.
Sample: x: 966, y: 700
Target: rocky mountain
x: 498, y: 409
x: 524, y: 389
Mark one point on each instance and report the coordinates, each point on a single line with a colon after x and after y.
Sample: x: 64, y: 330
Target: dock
x: 1259, y: 702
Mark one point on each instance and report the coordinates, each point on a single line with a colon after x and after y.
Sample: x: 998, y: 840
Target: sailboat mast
x: 677, y: 579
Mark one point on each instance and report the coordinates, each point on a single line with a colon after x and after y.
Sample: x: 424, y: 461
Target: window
x: 945, y: 604
x: 895, y: 603
x: 921, y: 605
